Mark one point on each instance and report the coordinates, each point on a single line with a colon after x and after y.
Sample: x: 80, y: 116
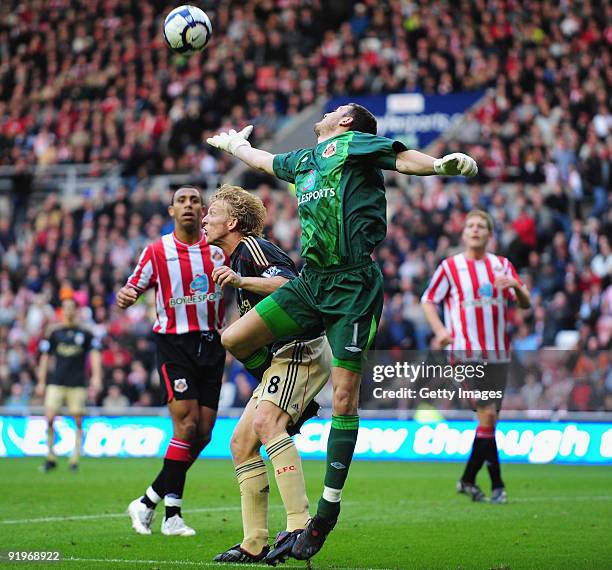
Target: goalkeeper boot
x: 238, y: 555
x: 471, y: 490
x: 175, y: 526
x: 282, y: 547
x: 311, y: 539
x: 499, y: 496
x: 310, y: 411
x: 141, y: 515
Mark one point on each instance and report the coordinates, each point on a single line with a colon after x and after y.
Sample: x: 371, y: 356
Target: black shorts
x: 491, y: 387
x: 191, y: 366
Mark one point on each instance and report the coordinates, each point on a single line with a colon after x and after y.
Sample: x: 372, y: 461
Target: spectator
x: 115, y: 402
x: 531, y: 393
x: 18, y: 400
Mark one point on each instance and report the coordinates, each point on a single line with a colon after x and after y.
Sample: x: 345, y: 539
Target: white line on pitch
x: 115, y: 515
x: 192, y: 563
x: 542, y: 499
x: 125, y: 514
x: 156, y: 562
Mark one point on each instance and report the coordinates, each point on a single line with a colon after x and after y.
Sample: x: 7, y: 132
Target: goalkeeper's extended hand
x: 232, y: 140
x: 456, y: 164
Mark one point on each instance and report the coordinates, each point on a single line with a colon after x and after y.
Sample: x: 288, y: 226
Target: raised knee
x: 228, y: 339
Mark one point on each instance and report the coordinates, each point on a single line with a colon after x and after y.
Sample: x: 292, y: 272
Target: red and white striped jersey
x: 187, y: 300
x: 475, y: 311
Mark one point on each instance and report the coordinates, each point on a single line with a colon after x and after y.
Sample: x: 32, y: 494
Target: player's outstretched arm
x: 237, y: 144
x: 421, y: 164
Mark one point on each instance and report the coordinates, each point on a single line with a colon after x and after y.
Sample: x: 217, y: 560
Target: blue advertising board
x: 518, y: 441
x: 413, y: 118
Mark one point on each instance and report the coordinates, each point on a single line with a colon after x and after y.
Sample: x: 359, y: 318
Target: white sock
x: 153, y: 496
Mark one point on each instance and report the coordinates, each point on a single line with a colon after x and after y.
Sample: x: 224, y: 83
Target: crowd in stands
x: 92, y: 82
x: 87, y: 254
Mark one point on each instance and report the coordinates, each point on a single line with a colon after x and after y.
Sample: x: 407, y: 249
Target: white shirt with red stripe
x: 475, y: 311
x: 187, y: 300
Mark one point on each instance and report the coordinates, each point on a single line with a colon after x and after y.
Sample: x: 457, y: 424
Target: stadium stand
x: 96, y: 85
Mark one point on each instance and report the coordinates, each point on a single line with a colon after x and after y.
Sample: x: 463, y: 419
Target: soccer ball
x: 187, y: 29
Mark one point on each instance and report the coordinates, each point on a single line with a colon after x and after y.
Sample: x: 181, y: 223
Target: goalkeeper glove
x: 232, y: 140
x: 456, y: 164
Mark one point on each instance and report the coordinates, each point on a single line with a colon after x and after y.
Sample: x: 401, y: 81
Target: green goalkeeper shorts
x: 347, y: 302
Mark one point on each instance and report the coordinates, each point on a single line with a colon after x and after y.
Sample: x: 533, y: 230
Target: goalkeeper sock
x: 478, y: 455
x: 258, y: 362
x: 252, y: 478
x: 176, y: 463
x: 340, y: 448
x: 493, y: 465
x: 290, y: 480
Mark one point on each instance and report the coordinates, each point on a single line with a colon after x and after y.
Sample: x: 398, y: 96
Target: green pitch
x: 395, y: 515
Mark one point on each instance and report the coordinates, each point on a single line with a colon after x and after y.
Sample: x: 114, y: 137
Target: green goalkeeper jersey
x: 341, y: 195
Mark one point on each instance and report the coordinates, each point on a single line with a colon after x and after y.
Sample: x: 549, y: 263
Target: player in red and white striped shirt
x: 190, y: 357
x: 474, y: 288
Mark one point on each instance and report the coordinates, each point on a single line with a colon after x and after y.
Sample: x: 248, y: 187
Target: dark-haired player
x: 69, y: 343
x: 342, y: 207
x: 299, y: 369
x: 190, y: 357
x: 475, y: 287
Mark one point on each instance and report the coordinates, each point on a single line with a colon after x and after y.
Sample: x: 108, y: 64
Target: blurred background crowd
x: 94, y: 84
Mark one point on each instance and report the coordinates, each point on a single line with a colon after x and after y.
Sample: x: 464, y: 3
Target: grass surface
x: 395, y: 515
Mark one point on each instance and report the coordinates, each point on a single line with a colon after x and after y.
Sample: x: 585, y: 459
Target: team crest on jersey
x: 330, y: 150
x: 180, y: 385
x: 485, y: 290
x: 79, y: 338
x: 217, y: 255
x: 271, y: 272
x: 200, y: 283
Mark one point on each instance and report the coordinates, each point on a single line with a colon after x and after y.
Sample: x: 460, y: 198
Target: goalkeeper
x: 342, y: 208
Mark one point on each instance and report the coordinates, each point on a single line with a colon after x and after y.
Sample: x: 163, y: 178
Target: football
x: 187, y: 29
